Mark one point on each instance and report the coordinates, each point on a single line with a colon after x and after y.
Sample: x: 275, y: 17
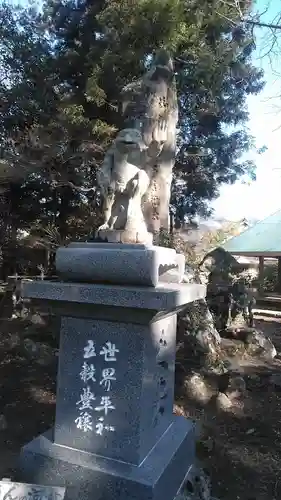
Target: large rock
x: 229, y: 298
x: 236, y: 388
x: 219, y: 260
x: 37, y: 319
x: 259, y: 344
x: 41, y: 353
x: 197, y: 321
x: 197, y: 389
x: 198, y: 486
x: 30, y: 347
x: 223, y: 402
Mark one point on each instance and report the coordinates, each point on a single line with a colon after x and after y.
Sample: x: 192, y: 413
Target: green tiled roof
x: 264, y: 238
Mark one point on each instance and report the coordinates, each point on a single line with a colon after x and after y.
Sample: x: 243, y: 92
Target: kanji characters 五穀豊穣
x: 89, y: 350
x: 84, y: 422
x: 85, y: 400
x: 88, y: 374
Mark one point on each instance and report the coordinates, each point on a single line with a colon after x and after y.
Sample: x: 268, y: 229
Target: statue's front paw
x: 103, y: 227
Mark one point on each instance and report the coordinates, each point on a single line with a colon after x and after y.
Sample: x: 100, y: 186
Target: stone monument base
x: 86, y: 476
x: 125, y: 236
x: 121, y: 264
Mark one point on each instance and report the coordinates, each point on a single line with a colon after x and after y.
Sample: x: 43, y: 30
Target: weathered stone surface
x: 31, y: 347
x: 236, y: 388
x: 197, y: 389
x: 17, y: 491
x: 141, y: 390
x: 167, y: 296
x: 198, y: 486
x: 126, y: 236
x: 36, y: 319
x: 41, y: 353
x: 229, y: 296
x: 135, y: 177
x: 89, y: 476
x: 119, y: 264
x: 196, y: 320
x: 136, y: 445
x: 261, y: 345
x: 223, y: 402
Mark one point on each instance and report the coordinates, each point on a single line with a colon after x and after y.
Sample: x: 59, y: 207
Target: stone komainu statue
x: 135, y: 177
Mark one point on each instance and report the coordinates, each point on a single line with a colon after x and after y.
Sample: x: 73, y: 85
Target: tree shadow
x: 27, y: 398
x: 242, y: 451
x: 241, y: 446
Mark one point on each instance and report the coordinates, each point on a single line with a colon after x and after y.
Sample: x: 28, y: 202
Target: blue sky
x: 263, y: 196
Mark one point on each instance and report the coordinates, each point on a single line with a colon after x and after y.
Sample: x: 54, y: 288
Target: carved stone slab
x: 125, y: 264
x: 22, y: 491
x: 128, y: 237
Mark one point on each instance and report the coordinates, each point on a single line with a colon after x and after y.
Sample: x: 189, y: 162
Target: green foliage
x: 60, y: 81
x: 270, y: 278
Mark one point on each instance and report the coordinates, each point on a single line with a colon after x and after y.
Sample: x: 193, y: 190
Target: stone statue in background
x: 135, y: 177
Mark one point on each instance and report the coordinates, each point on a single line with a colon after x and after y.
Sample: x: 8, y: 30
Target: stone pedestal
x: 115, y: 263
x: 115, y: 435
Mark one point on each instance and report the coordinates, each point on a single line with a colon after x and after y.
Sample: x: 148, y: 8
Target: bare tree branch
x: 268, y: 41
x: 58, y: 184
x: 261, y: 25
